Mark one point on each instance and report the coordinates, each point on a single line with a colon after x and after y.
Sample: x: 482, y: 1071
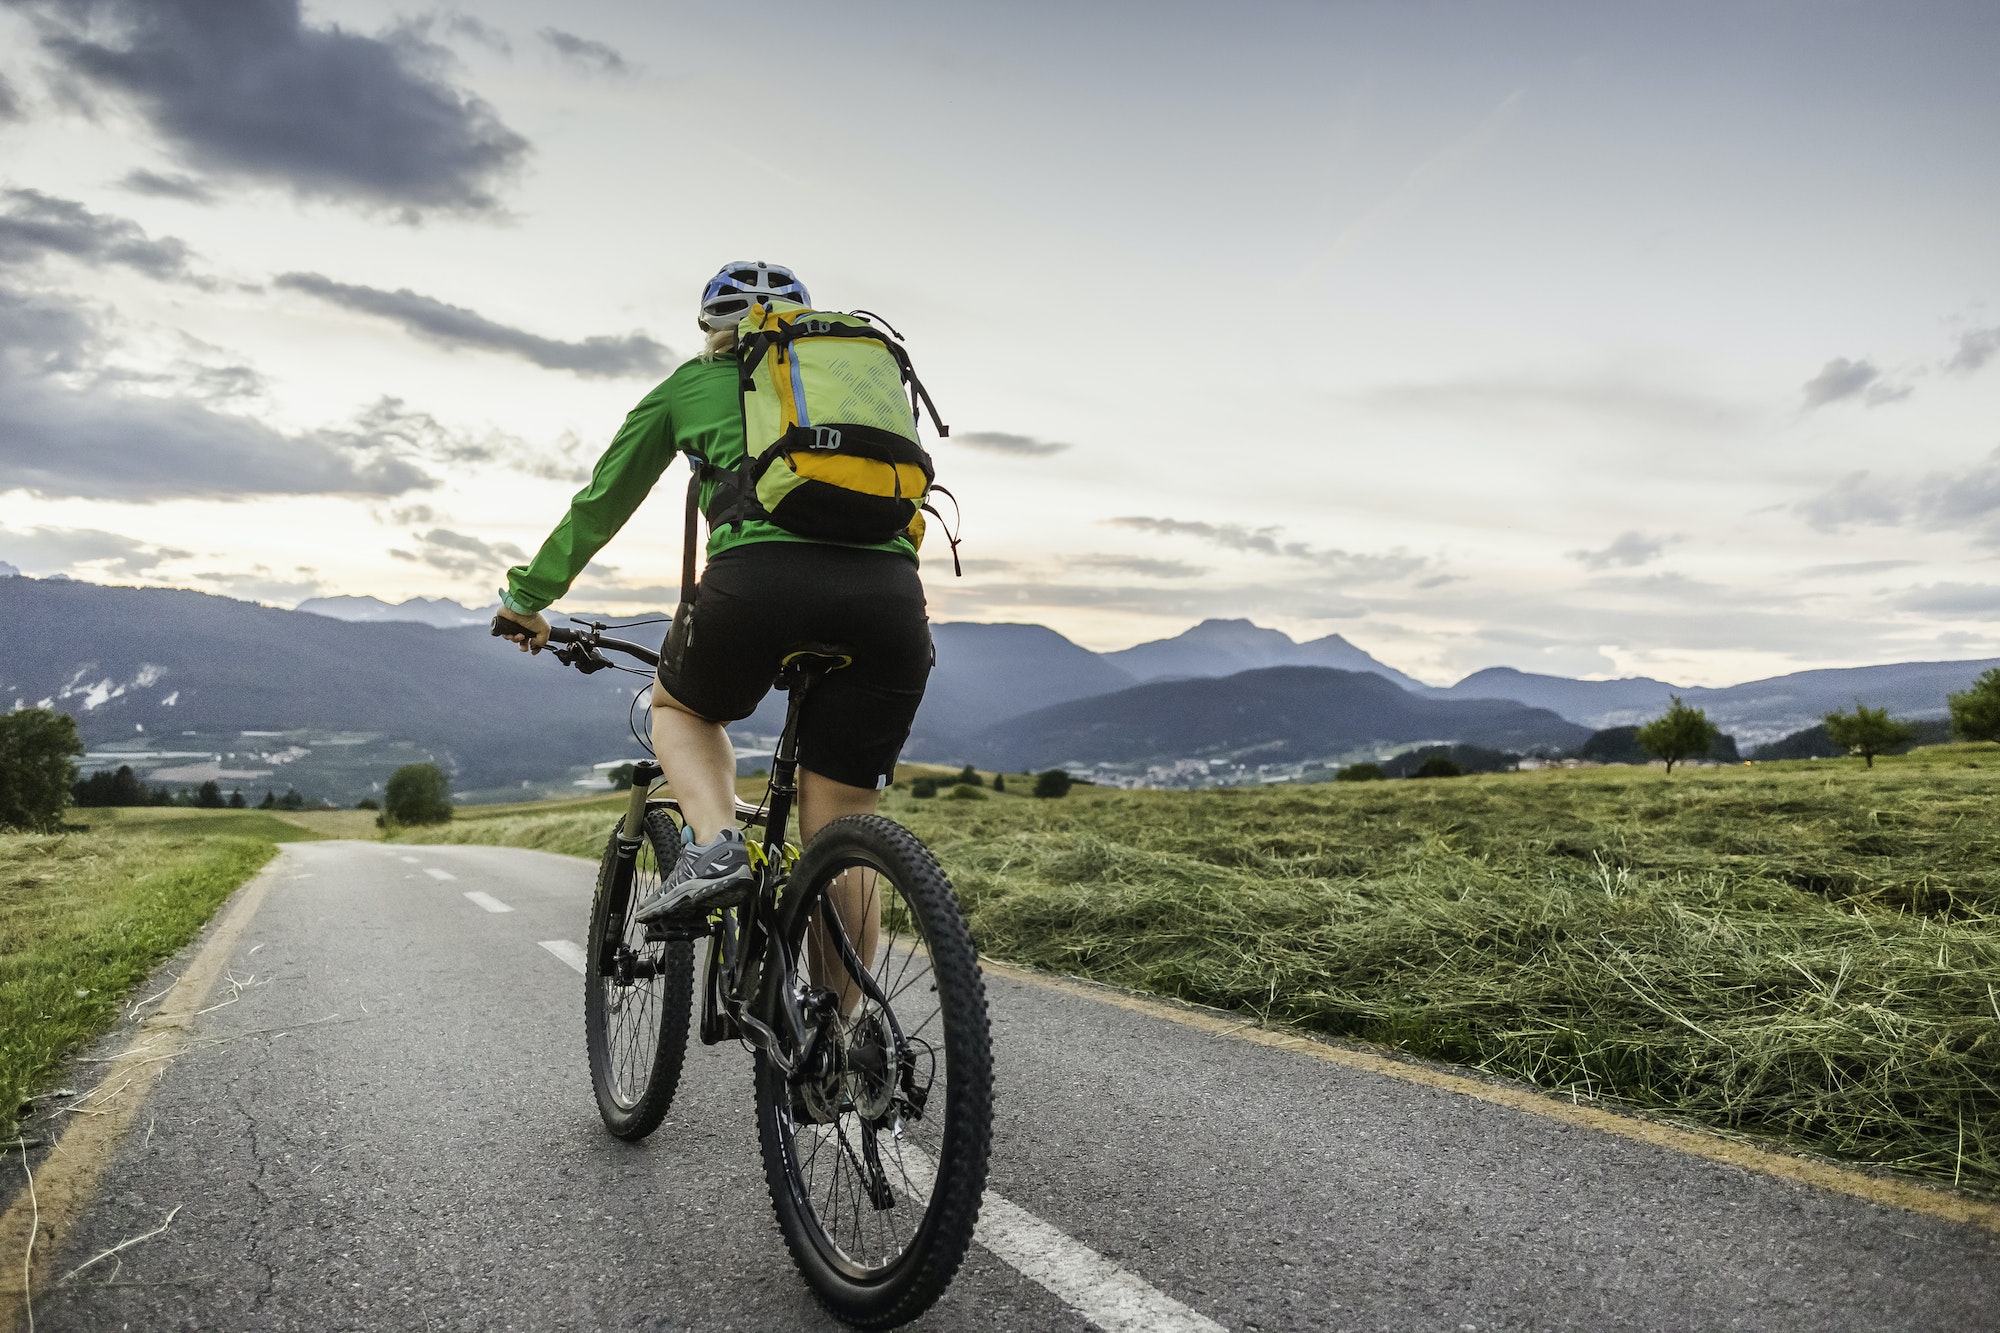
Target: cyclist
x: 764, y: 593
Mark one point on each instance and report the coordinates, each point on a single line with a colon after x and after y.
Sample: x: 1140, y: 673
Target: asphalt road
x: 391, y: 1127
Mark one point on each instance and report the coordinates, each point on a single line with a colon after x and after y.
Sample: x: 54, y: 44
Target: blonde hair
x: 718, y: 344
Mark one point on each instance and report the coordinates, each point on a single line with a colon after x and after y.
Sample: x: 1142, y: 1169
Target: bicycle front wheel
x: 875, y: 1149
x: 636, y: 992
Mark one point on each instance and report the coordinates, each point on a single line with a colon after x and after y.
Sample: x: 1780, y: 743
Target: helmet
x: 730, y: 292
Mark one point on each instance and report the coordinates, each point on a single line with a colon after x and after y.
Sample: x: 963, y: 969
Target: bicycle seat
x: 818, y: 659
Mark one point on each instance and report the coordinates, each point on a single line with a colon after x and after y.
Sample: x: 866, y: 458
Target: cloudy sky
x: 1595, y: 339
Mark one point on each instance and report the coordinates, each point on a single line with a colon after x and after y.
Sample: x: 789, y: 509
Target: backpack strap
x: 957, y: 570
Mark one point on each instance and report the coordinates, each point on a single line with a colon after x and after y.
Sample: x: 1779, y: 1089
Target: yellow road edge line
x: 1875, y: 1189
x: 67, y: 1179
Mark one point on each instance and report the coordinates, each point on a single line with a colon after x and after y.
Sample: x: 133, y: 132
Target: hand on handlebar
x: 529, y: 631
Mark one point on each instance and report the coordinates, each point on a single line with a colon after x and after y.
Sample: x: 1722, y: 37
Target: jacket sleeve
x: 622, y: 479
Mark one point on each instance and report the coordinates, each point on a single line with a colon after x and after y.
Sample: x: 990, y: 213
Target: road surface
x: 388, y: 1124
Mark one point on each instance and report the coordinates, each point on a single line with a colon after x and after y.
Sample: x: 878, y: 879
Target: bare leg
x: 821, y: 801
x: 699, y: 764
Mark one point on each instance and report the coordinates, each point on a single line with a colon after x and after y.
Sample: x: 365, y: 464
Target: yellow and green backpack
x: 830, y: 427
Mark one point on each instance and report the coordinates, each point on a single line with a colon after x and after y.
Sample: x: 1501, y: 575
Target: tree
x: 1055, y: 782
x: 1437, y: 766
x: 236, y: 801
x: 1679, y: 733
x: 969, y: 777
x: 621, y: 776
x: 368, y: 803
x: 210, y: 795
x: 270, y: 802
x: 418, y: 794
x: 1360, y: 773
x: 38, y: 753
x: 999, y: 782
x: 1975, y: 714
x: 1867, y: 732
x: 108, y: 788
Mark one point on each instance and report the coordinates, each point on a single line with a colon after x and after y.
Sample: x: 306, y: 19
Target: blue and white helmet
x: 730, y: 293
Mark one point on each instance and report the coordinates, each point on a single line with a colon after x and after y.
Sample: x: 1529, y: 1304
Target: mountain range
x: 137, y: 664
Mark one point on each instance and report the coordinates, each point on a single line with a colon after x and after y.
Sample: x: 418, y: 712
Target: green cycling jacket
x: 695, y: 411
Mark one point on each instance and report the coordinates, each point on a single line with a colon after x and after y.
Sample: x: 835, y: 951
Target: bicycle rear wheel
x: 636, y: 992
x: 875, y: 1152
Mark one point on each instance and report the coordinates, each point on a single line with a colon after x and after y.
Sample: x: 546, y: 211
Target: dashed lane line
x: 1110, y: 1297
x: 567, y: 950
x: 487, y: 901
x: 437, y: 874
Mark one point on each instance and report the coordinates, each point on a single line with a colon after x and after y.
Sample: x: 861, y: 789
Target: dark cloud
x: 1001, y: 442
x: 168, y: 185
x: 1953, y: 599
x: 34, y: 225
x: 1975, y: 349
x: 1144, y: 565
x: 585, y: 54
x: 1841, y: 379
x: 1626, y: 551
x: 61, y: 550
x: 488, y: 36
x: 70, y: 426
x: 248, y: 89
x: 10, y: 101
x: 1962, y: 499
x: 455, y: 326
x: 457, y: 554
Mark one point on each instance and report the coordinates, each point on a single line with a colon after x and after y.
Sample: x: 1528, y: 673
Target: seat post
x: 795, y: 681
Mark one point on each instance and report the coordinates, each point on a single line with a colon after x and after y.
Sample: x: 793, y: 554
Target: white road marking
x: 570, y: 953
x: 1110, y: 1297
x: 487, y: 901
x: 409, y: 860
x: 435, y: 873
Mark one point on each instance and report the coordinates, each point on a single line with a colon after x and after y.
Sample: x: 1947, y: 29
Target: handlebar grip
x: 561, y: 635
x: 503, y: 626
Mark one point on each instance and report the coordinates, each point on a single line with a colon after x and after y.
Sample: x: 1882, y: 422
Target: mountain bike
x: 851, y: 976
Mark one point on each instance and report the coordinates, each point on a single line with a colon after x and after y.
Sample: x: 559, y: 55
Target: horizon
x: 1643, y: 343
x: 1032, y: 624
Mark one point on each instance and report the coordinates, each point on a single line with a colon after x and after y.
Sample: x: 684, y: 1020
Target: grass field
x: 1808, y: 952
x: 87, y: 915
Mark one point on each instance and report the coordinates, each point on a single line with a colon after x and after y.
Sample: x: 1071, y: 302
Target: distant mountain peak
x: 440, y: 612
x: 1223, y: 647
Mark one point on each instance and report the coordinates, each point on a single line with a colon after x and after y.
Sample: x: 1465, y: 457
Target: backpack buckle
x: 823, y: 437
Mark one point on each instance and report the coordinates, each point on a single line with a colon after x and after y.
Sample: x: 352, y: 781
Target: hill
x: 1225, y: 647
x: 986, y: 673
x: 440, y: 612
x: 1277, y: 714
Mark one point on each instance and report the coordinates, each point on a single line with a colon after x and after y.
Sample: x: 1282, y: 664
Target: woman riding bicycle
x: 767, y: 591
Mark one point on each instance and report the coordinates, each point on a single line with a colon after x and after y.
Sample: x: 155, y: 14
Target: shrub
x: 1679, y: 733
x: 1867, y: 732
x: 368, y: 803
x: 38, y: 750
x: 963, y: 792
x: 1437, y: 766
x: 1055, y: 782
x: 969, y: 777
x: 1360, y: 773
x: 417, y: 794
x: 291, y: 800
x: 1975, y: 714
x: 999, y: 782
x: 923, y: 788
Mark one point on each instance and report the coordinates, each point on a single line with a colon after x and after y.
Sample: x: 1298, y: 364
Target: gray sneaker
x: 704, y: 876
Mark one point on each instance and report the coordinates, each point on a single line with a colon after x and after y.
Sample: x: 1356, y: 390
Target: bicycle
x: 873, y: 1060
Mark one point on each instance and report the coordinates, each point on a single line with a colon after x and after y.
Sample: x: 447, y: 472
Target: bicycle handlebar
x: 580, y: 649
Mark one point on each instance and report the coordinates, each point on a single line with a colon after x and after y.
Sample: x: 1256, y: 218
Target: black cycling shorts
x: 758, y: 603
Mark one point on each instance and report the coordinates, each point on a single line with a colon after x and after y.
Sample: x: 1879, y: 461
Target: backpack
x: 829, y: 428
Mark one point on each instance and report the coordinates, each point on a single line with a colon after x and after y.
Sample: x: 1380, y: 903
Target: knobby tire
x: 637, y: 1035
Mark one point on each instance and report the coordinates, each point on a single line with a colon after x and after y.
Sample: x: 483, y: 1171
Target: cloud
x: 1331, y: 567
x: 1975, y: 349
x: 1627, y: 550
x: 455, y: 327
x: 71, y: 426
x: 1963, y: 600
x: 64, y: 550
x: 1855, y: 569
x: 1841, y: 379
x: 488, y: 36
x: 10, y: 101
x: 593, y: 57
x: 248, y: 89
x: 1537, y: 401
x: 457, y: 554
x: 260, y: 584
x: 1145, y: 565
x: 1001, y: 442
x: 1965, y: 498
x: 34, y: 225
x: 167, y: 185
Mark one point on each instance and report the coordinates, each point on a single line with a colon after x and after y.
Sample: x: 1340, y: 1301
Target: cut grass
x: 87, y: 915
x: 1807, y: 952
